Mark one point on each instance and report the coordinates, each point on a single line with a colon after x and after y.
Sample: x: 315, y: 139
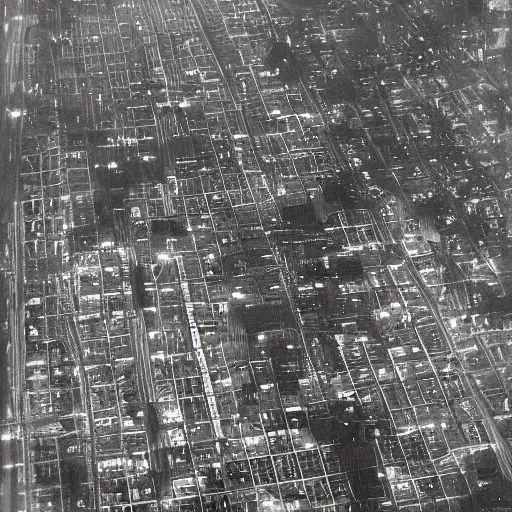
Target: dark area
x: 281, y: 57
x: 140, y: 296
x: 173, y: 226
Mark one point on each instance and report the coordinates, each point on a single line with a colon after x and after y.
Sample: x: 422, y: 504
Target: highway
x: 75, y: 348
x: 12, y: 453
x: 138, y: 338
x: 500, y: 445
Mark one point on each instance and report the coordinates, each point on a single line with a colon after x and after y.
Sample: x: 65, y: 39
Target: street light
x: 14, y: 113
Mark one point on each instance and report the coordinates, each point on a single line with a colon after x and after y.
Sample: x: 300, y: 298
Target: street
x: 11, y: 310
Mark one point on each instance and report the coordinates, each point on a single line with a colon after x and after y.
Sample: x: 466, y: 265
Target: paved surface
x: 10, y: 129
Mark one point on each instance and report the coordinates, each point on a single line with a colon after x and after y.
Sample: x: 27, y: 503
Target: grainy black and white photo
x: 255, y: 256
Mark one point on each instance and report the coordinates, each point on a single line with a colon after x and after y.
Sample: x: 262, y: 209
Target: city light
x: 257, y: 257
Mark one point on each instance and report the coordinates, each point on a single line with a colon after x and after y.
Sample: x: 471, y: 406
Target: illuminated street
x: 256, y: 256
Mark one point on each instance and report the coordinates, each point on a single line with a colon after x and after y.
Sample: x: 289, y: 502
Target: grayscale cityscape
x: 256, y: 256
